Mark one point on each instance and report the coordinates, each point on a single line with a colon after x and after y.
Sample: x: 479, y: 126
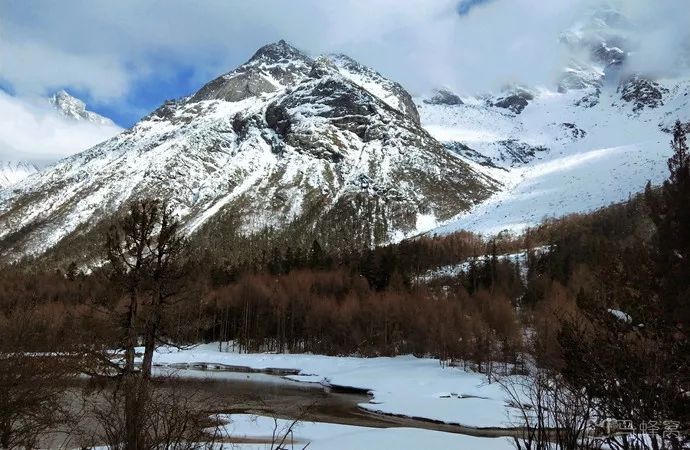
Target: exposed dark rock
x: 166, y: 110
x: 590, y: 99
x: 608, y: 54
x: 515, y: 102
x: 344, y: 105
x: 642, y: 92
x: 573, y: 130
x: 335, y: 99
x: 406, y: 106
x: 470, y: 153
x: 518, y: 152
x: 278, y: 118
x: 444, y: 97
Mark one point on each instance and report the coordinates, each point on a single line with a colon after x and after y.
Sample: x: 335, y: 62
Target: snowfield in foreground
x: 348, y: 437
x: 404, y: 385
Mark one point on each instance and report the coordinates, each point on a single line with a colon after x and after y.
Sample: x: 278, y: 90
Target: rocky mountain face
x: 311, y: 148
x: 75, y: 109
x: 392, y: 93
x: 514, y: 99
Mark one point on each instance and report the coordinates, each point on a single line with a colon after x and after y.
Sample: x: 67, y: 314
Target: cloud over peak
x: 130, y: 54
x: 32, y: 130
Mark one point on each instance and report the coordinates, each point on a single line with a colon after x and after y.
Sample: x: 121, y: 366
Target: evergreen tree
x: 316, y: 256
x: 670, y: 211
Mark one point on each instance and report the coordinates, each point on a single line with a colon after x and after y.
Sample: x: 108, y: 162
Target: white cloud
x: 107, y: 47
x: 31, y: 130
x: 40, y: 68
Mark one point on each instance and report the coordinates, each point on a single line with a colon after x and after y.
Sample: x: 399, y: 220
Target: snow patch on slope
x: 586, y: 156
x: 12, y: 172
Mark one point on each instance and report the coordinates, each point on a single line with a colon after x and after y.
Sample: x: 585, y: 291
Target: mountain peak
x: 296, y: 143
x: 278, y: 52
x: 273, y: 66
x: 68, y: 104
x: 73, y: 108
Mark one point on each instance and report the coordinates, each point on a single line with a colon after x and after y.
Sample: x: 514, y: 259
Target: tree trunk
x: 150, y: 333
x: 130, y: 376
x: 131, y: 413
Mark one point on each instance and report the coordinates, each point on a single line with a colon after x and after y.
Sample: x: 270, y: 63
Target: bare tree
x: 283, y: 434
x: 31, y: 383
x: 165, y: 272
x: 550, y: 414
x: 171, y: 419
x: 145, y: 252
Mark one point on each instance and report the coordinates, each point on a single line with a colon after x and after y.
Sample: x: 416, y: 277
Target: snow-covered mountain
x: 326, y: 147
x: 12, y: 172
x: 593, y: 138
x: 320, y: 146
x: 563, y: 152
x: 64, y: 116
x: 73, y: 108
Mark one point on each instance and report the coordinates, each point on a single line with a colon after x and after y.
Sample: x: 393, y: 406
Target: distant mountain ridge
x: 594, y: 137
x: 560, y: 152
x: 67, y: 106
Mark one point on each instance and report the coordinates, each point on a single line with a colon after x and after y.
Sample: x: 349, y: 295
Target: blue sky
x: 144, y: 95
x: 125, y: 57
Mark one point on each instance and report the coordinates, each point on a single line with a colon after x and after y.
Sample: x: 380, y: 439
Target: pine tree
x: 316, y: 256
x: 670, y: 211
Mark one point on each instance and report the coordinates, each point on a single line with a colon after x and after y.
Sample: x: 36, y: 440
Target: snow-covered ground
x: 583, y: 157
x: 561, y: 186
x: 453, y: 270
x: 404, y: 385
x: 347, y: 437
x: 12, y: 172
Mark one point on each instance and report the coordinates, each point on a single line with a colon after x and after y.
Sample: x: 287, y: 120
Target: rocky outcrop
x: 642, y: 92
x: 390, y: 92
x: 515, y: 100
x: 443, y: 97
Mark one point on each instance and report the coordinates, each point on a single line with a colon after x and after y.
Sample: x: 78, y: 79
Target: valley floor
x: 403, y: 386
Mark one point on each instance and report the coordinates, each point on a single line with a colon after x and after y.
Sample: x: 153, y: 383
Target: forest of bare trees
x: 547, y: 314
